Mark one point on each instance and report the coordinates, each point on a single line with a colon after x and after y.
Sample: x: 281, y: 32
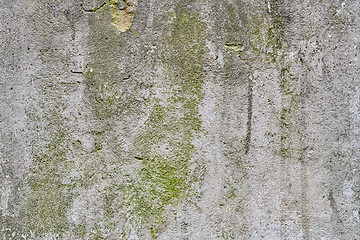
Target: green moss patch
x: 166, y: 142
x: 50, y: 195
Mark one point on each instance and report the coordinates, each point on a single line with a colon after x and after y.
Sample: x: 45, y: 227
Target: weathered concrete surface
x: 206, y: 119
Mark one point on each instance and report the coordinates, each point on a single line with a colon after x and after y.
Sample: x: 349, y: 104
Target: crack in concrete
x: 249, y: 116
x: 94, y: 9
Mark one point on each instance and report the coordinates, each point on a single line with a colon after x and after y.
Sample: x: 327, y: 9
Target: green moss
x: 50, y: 197
x: 113, y: 3
x: 257, y: 31
x: 261, y: 32
x: 165, y: 144
x: 288, y: 116
x: 232, y: 193
x: 109, y: 198
x: 153, y: 231
x: 289, y: 126
x: 265, y: 33
x: 234, y: 30
x: 110, y: 101
x: 96, y: 233
x: 225, y: 235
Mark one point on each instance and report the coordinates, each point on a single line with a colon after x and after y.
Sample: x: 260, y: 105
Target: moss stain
x: 258, y: 41
x: 50, y: 196
x: 166, y: 142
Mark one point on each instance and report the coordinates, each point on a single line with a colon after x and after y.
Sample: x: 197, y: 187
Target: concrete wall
x: 180, y: 119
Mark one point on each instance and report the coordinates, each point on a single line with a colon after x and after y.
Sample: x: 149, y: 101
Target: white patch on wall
x: 347, y: 189
x: 5, y: 194
x: 356, y: 216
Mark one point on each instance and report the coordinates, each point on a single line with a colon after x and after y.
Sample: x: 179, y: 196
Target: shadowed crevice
x: 94, y: 9
x: 249, y: 116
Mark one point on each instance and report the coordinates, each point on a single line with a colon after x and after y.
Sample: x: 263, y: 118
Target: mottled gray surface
x: 207, y: 119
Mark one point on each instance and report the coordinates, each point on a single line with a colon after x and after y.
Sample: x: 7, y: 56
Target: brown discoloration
x: 123, y: 18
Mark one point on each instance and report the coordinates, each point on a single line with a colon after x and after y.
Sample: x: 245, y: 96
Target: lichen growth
x: 288, y: 118
x: 256, y: 41
x: 266, y: 32
x: 166, y: 144
x: 110, y: 96
x: 50, y: 194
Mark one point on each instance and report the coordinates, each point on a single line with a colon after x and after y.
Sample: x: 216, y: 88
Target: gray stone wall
x: 180, y: 119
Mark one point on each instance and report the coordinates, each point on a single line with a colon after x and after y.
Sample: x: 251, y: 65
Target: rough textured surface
x: 179, y: 119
